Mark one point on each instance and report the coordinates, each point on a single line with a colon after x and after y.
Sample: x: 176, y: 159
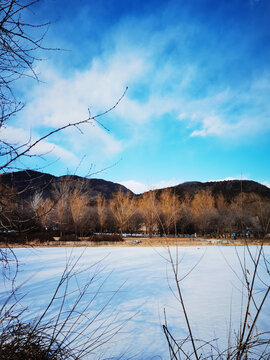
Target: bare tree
x: 185, y: 223
x: 78, y: 204
x: 203, y: 208
x: 259, y: 208
x: 123, y: 207
x: 248, y: 342
x: 7, y: 206
x: 203, y: 200
x: 101, y: 209
x: 77, y: 330
x: 61, y: 193
x: 136, y: 221
x: 242, y: 217
x: 149, y: 207
x: 21, y: 42
x: 78, y: 198
x: 64, y: 336
x: 43, y: 209
x: 169, y: 205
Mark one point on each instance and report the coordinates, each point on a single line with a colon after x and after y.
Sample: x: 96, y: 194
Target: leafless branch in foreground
x: 72, y: 325
x: 246, y: 343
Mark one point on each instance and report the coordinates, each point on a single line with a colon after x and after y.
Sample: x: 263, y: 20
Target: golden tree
x: 148, y: 206
x: 43, y: 211
x: 203, y: 201
x: 123, y: 208
x: 101, y: 210
x: 203, y: 208
x: 78, y: 204
x: 185, y: 221
x: 169, y: 208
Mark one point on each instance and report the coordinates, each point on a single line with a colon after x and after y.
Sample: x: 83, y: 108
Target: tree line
x: 70, y: 208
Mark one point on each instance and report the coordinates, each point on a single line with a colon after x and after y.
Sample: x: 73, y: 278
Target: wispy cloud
x: 65, y: 99
x: 160, y: 83
x: 191, y: 74
x: 21, y: 137
x: 230, y: 113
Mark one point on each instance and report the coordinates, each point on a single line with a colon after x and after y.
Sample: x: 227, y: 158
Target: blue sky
x: 197, y: 105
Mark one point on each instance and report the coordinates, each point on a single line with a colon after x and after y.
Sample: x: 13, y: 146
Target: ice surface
x: 212, y: 291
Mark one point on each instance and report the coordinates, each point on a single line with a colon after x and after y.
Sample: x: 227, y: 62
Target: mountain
x: 228, y: 188
x: 28, y: 182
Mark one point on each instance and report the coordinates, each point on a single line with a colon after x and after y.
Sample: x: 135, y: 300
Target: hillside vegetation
x: 32, y: 201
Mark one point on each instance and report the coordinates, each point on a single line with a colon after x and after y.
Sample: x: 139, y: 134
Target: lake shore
x: 142, y: 242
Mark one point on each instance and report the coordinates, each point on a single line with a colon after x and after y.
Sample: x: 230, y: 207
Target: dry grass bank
x: 141, y: 242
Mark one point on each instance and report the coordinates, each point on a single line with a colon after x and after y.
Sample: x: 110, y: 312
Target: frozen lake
x: 212, y: 291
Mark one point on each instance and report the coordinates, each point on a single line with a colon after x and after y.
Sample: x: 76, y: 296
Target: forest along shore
x: 142, y: 242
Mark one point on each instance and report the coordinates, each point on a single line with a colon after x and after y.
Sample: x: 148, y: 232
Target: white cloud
x: 266, y: 183
x: 99, y: 87
x: 22, y: 137
x: 211, y: 125
x: 229, y: 113
x: 138, y: 187
x: 135, y: 186
x: 65, y: 99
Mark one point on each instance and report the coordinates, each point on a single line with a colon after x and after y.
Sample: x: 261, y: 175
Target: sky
x: 197, y: 106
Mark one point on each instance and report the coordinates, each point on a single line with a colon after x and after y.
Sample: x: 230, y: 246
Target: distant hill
x: 229, y: 189
x: 28, y: 182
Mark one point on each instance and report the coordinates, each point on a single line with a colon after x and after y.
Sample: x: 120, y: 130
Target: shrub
x: 106, y: 237
x: 22, y: 341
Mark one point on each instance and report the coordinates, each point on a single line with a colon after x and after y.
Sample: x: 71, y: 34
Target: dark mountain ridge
x: 28, y: 182
x: 228, y: 188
